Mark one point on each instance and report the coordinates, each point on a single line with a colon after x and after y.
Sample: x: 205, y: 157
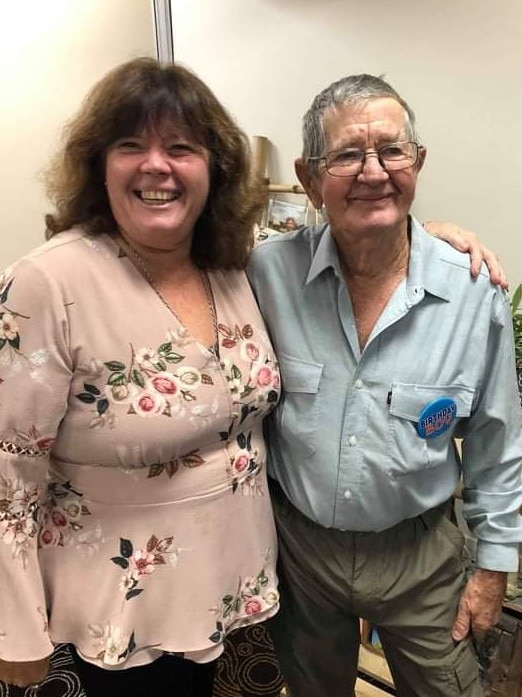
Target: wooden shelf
x: 374, y: 664
x: 366, y: 689
x: 513, y: 607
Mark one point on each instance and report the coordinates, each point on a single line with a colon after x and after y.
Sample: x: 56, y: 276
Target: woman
x: 135, y: 372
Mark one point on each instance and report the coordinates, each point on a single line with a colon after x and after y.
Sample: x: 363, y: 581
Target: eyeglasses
x: 349, y: 162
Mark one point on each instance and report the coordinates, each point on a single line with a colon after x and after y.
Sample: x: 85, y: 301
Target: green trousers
x: 406, y: 581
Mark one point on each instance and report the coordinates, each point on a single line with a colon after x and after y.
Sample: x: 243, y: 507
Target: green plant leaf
x: 515, y: 300
x: 117, y: 379
x: 120, y: 561
x: 115, y: 365
x: 165, y: 348
x: 126, y: 548
x: 5, y: 292
x: 133, y: 593
x: 516, y: 315
x: 86, y: 397
x: 102, y: 406
x: 215, y: 638
x: 137, y: 378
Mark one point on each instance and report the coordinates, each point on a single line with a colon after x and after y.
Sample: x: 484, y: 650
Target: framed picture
x: 370, y: 638
x: 284, y: 216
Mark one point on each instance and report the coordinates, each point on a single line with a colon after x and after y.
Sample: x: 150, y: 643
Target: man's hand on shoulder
x: 480, y: 604
x: 466, y: 241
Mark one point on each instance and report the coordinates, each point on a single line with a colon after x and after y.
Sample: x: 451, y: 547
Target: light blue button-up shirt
x: 343, y: 441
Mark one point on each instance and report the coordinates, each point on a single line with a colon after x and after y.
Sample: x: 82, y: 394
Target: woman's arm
x: 466, y: 241
x: 34, y: 384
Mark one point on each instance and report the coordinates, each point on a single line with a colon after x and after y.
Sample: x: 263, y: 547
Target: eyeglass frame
x: 370, y: 151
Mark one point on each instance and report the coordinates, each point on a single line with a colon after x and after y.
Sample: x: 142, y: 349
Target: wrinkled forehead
x: 376, y: 117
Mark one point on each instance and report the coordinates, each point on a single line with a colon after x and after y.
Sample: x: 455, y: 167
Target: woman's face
x: 158, y: 183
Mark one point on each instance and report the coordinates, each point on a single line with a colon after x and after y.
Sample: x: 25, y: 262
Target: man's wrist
x: 492, y: 573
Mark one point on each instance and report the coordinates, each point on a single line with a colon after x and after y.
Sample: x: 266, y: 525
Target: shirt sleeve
x: 34, y: 383
x: 492, y: 451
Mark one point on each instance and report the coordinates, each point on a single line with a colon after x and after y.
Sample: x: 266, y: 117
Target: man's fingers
x: 461, y: 626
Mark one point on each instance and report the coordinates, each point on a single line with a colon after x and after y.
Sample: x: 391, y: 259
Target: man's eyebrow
x: 351, y: 143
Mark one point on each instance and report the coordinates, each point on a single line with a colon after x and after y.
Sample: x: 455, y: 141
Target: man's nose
x: 372, y: 169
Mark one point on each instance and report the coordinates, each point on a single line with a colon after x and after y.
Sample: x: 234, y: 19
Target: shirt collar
x: 426, y: 273
x: 325, y: 256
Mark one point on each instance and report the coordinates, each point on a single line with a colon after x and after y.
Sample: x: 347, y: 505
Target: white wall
x: 458, y: 63
x: 51, y: 53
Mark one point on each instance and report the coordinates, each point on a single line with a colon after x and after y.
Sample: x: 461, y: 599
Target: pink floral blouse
x: 134, y: 512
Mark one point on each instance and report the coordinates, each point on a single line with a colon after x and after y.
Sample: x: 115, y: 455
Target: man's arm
x: 466, y: 241
x: 492, y: 491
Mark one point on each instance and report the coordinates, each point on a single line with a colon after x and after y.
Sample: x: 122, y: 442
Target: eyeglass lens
x: 393, y: 156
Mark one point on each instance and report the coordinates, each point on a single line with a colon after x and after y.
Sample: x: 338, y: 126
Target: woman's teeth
x: 157, y: 196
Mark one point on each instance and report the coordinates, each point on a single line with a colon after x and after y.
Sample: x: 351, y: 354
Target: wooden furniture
x: 500, y: 656
x: 260, y: 145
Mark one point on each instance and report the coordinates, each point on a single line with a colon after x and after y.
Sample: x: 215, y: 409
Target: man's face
x: 374, y: 199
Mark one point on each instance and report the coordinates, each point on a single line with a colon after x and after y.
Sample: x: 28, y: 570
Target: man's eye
x: 395, y: 151
x: 346, y: 157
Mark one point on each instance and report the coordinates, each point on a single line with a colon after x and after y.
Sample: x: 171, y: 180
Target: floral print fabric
x: 134, y: 511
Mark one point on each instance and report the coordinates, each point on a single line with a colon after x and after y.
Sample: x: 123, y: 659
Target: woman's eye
x: 180, y: 149
x: 127, y: 145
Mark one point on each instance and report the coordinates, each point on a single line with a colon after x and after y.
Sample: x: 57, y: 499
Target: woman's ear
x: 309, y: 182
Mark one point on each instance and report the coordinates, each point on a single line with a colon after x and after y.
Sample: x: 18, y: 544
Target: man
x: 388, y: 351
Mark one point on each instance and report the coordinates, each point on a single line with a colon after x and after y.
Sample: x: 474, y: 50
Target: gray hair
x: 351, y: 90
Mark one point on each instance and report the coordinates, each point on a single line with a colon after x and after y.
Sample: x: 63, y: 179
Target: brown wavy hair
x: 144, y: 93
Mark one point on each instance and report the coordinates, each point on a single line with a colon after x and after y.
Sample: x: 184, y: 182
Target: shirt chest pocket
x: 408, y: 451
x: 298, y: 411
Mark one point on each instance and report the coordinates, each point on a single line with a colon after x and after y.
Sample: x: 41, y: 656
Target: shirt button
x: 391, y: 474
x: 359, y: 384
x: 347, y: 494
x: 352, y: 440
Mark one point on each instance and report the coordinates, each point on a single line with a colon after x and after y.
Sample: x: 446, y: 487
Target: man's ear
x: 309, y: 182
x: 421, y: 158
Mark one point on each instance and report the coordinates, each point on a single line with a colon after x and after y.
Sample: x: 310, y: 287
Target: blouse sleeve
x: 35, y: 376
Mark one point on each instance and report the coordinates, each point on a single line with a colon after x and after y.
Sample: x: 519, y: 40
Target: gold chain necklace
x: 142, y: 267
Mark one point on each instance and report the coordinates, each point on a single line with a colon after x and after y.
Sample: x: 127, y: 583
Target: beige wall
x: 51, y: 52
x: 458, y: 62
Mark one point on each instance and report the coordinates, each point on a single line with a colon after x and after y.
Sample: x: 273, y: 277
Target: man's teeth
x: 158, y: 196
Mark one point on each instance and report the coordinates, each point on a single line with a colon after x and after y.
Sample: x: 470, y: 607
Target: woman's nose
x: 155, y: 161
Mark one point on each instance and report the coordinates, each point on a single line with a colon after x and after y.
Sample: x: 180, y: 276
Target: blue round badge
x: 436, y: 417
